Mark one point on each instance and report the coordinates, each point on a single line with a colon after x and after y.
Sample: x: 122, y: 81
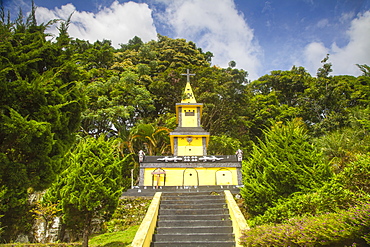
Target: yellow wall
x: 190, y: 176
x: 195, y: 147
x: 189, y: 150
x: 189, y: 121
x: 196, y: 141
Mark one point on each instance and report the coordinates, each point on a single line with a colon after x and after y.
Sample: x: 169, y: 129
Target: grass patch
x: 42, y: 245
x: 114, y: 239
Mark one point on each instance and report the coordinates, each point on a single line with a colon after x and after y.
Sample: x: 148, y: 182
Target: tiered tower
x: 189, y: 138
x: 190, y: 164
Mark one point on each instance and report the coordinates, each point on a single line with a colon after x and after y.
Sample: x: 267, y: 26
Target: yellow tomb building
x: 190, y: 164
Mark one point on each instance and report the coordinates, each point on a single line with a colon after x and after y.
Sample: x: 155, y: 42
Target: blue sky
x: 260, y: 36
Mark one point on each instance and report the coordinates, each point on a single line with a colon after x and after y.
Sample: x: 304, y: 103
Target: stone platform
x: 149, y: 191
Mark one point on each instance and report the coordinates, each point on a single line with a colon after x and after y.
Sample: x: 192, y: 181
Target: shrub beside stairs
x: 206, y: 218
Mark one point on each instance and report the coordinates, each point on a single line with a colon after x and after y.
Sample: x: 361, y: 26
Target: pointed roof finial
x: 188, y: 96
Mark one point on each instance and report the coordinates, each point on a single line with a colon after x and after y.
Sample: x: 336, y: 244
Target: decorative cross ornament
x: 188, y: 75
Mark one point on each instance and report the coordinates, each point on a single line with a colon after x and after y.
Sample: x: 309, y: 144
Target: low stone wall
x: 144, y: 235
x: 239, y: 222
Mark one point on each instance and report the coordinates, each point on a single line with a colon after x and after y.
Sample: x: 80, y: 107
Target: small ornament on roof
x: 239, y: 154
x: 141, y: 156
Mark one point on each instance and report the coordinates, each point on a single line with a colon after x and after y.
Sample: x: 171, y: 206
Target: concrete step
x: 205, y: 237
x: 193, y: 206
x: 204, y: 193
x: 193, y: 211
x: 197, y: 229
x: 173, y: 197
x: 193, y: 223
x: 194, y: 244
x: 194, y: 217
x: 185, y: 200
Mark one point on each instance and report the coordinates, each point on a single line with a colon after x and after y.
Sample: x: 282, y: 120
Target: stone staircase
x: 193, y: 219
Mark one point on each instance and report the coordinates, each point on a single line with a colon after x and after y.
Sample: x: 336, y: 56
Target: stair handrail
x: 144, y: 234
x: 237, y: 218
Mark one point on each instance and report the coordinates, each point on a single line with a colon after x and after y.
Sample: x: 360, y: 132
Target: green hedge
x: 331, y: 229
x: 331, y: 197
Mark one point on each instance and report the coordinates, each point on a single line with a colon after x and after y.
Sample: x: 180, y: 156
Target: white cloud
x: 216, y: 26
x: 357, y: 51
x: 118, y: 23
x: 313, y: 54
x: 343, y: 59
x: 323, y: 23
x: 348, y: 16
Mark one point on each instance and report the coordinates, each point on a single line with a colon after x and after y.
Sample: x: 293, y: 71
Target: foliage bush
x: 334, y: 211
x: 331, y: 197
x: 322, y: 217
x: 327, y: 229
x: 341, y: 147
x: 355, y: 175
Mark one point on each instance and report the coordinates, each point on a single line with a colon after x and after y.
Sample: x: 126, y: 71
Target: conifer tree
x: 283, y: 164
x: 40, y: 107
x: 91, y: 185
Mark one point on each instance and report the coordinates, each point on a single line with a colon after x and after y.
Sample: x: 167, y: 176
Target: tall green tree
x: 40, y: 111
x: 276, y: 97
x: 325, y: 70
x: 163, y: 61
x: 282, y: 164
x: 91, y: 185
x: 225, y: 97
x: 326, y: 102
x: 288, y: 85
x: 98, y: 55
x: 365, y: 69
x: 115, y: 104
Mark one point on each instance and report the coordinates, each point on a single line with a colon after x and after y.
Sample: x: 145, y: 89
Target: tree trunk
x: 85, y: 238
x: 62, y: 231
x: 86, y: 231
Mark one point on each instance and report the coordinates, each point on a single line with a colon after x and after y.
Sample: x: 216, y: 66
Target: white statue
x: 141, y: 156
x: 239, y: 154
